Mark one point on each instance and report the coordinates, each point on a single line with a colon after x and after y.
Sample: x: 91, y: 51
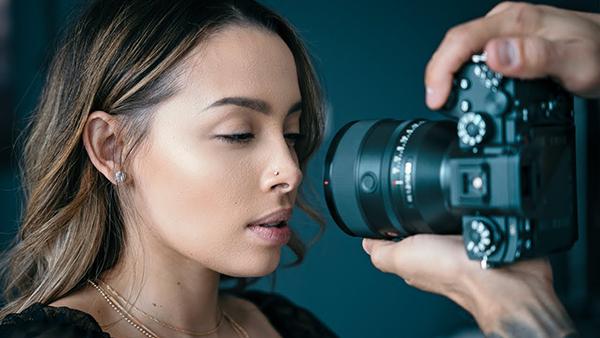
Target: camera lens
x: 390, y: 178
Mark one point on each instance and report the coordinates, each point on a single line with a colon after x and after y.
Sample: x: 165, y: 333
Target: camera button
x: 368, y: 183
x: 464, y: 84
x: 465, y: 106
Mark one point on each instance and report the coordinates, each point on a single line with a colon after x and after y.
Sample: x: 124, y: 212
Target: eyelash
x: 247, y: 137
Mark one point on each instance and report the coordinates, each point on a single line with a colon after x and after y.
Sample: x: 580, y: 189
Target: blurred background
x: 371, y: 57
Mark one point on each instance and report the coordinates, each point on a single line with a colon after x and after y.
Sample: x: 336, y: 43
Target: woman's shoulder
x: 43, y: 321
x: 289, y: 319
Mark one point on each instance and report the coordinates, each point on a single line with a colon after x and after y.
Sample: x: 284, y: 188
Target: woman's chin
x: 258, y: 266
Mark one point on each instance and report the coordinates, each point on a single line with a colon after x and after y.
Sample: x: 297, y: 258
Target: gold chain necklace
x: 133, y: 321
x: 118, y: 308
x: 161, y: 323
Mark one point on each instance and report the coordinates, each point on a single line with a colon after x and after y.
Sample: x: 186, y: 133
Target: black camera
x: 501, y: 170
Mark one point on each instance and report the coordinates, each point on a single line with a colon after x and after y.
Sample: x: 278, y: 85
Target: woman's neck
x: 167, y: 286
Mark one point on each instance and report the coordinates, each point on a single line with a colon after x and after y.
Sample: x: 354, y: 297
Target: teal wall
x: 371, y: 56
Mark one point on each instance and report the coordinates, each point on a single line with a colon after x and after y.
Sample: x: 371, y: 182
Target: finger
x: 416, y: 255
x: 594, y: 17
x: 523, y: 57
x: 572, y: 64
x: 501, y: 7
x: 433, y: 263
x: 374, y: 244
x: 384, y: 253
x: 467, y: 39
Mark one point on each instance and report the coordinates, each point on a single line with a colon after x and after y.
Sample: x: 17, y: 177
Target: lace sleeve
x: 289, y: 319
x: 41, y: 321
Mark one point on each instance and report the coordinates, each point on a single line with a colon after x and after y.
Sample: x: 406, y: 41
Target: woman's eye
x: 291, y: 138
x: 237, y: 138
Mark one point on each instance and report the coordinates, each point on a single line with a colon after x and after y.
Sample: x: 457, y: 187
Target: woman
x: 167, y: 150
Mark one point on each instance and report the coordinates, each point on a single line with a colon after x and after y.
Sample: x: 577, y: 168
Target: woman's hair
x: 121, y: 57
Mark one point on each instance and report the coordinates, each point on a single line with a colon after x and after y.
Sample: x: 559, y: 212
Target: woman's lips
x: 276, y: 216
x: 272, y: 235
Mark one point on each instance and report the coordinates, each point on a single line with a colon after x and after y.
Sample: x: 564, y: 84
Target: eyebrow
x: 258, y: 105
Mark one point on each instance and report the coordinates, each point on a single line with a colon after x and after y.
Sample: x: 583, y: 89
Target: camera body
x: 513, y: 180
x: 501, y: 171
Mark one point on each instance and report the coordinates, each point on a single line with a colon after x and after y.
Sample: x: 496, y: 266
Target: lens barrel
x: 390, y: 178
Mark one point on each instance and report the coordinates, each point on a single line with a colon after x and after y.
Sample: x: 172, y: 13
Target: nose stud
x: 276, y: 173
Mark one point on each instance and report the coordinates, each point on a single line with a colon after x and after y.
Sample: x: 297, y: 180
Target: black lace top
x: 42, y: 321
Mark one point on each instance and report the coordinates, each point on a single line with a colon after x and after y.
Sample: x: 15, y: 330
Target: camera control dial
x: 472, y: 129
x: 480, y: 240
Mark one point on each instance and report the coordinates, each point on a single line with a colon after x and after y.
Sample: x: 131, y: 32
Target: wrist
x: 509, y: 302
x: 474, y: 295
x: 468, y: 291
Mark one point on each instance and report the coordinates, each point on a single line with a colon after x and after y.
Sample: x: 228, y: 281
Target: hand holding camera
x: 524, y: 41
x: 520, y: 41
x: 503, y: 171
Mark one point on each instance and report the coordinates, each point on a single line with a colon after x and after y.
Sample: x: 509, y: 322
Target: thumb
x: 383, y: 253
x: 419, y: 258
x: 524, y: 57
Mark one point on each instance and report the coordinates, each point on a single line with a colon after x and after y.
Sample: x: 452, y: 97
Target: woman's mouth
x: 273, y: 234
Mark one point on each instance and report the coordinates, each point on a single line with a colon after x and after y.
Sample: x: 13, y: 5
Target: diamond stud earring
x: 120, y: 177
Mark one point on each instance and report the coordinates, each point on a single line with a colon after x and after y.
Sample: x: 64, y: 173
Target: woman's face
x: 198, y: 185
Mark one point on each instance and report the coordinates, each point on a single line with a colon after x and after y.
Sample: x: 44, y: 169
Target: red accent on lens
x: 326, y: 182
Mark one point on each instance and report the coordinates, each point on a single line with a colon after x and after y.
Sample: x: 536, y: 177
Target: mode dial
x: 472, y: 129
x: 480, y: 239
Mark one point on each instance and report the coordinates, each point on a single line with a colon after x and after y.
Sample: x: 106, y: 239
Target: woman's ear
x: 102, y: 144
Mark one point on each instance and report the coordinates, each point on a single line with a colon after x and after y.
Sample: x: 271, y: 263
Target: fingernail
x: 508, y: 54
x: 366, y: 244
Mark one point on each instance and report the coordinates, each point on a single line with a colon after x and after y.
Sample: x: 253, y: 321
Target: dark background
x: 371, y: 56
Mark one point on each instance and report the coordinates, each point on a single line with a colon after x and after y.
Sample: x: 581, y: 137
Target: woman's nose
x: 286, y: 180
x: 282, y: 172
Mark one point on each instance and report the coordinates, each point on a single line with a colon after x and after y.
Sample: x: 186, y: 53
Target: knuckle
x: 387, y: 259
x: 456, y: 34
x: 502, y: 6
x: 524, y: 16
x: 584, y: 80
x: 536, y: 54
x: 592, y: 78
x: 593, y: 81
x: 378, y: 260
